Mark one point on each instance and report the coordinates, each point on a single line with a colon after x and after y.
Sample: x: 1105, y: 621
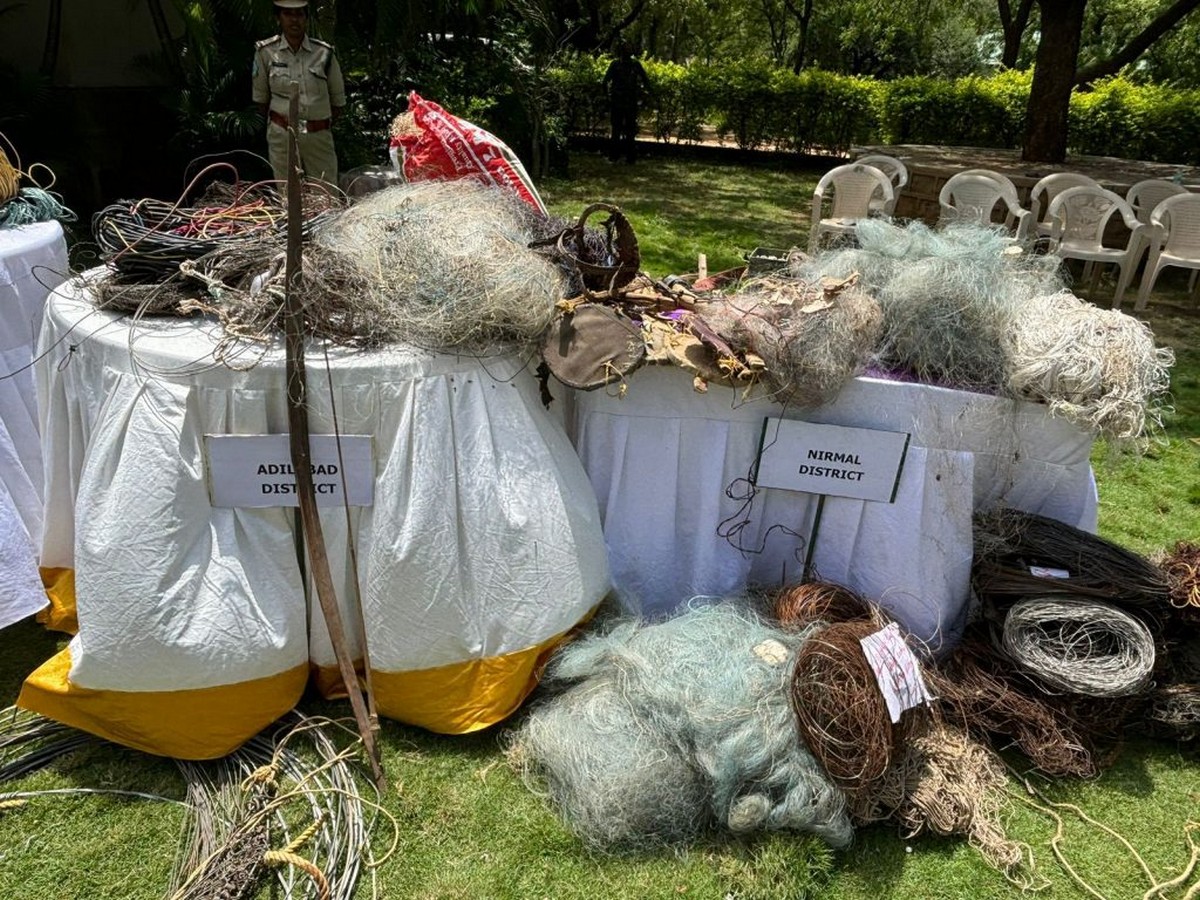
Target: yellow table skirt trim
x: 201, y: 723
x: 458, y: 698
x: 60, y: 588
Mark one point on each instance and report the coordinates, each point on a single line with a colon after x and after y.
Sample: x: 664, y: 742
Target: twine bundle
x: 841, y: 714
x: 1182, y: 570
x: 665, y: 731
x: 801, y: 605
x: 32, y: 205
x: 949, y: 297
x: 812, y: 337
x: 945, y: 782
x: 27, y: 205
x: 1078, y: 645
x: 1097, y: 368
x: 980, y: 691
x: 446, y: 265
x: 1007, y: 542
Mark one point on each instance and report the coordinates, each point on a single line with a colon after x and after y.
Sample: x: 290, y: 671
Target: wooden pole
x: 297, y: 386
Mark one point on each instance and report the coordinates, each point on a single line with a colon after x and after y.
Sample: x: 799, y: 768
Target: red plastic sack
x: 447, y: 147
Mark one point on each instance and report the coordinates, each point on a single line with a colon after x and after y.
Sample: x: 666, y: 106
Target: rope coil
x: 10, y: 178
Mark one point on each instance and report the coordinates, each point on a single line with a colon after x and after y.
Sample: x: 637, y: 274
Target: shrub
x: 757, y: 105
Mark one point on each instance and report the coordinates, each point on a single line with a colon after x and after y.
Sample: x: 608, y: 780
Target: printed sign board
x: 831, y: 459
x: 255, y: 470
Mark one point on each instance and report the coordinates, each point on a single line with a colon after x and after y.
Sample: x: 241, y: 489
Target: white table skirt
x: 484, y: 537
x: 33, y: 261
x: 662, y: 457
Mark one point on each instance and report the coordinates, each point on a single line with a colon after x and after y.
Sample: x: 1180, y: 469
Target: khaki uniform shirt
x: 314, y: 66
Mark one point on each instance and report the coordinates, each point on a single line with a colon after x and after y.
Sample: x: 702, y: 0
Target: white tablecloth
x: 483, y: 541
x: 33, y: 261
x: 662, y: 457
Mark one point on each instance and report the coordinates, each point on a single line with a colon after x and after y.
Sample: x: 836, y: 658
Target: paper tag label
x: 1047, y: 572
x: 897, y: 671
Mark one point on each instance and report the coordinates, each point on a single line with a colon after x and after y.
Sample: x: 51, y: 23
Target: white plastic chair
x: 1174, y: 241
x: 853, y: 185
x: 1045, y: 190
x: 975, y: 195
x: 1080, y: 216
x: 1145, y: 195
x: 895, y: 170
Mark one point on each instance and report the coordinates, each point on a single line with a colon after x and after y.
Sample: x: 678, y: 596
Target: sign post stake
x: 297, y: 392
x: 812, y: 539
x: 829, y: 461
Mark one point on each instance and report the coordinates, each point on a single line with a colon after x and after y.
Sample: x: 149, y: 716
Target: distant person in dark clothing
x: 625, y: 82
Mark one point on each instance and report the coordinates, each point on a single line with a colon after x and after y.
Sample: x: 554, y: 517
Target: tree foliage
x: 490, y: 60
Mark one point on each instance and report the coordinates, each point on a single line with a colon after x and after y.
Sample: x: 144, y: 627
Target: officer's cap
x: 291, y: 4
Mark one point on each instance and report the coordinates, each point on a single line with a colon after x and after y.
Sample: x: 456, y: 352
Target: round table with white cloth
x: 33, y: 261
x: 670, y: 468
x: 481, y: 549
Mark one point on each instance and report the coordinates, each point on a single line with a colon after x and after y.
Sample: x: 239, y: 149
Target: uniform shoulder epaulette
x: 328, y: 46
x: 267, y: 42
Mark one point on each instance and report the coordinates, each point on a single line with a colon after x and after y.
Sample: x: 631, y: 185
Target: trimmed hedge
x: 755, y: 105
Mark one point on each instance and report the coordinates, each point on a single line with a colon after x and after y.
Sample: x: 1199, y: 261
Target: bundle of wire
x: 290, y: 802
x: 1079, y: 645
x: 1097, y: 368
x: 296, y: 791
x: 801, y: 605
x: 1175, y: 709
x: 981, y: 692
x: 1184, y: 656
x: 446, y: 264
x: 949, y: 297
x: 665, y: 731
x: 812, y: 337
x: 144, y: 241
x: 1009, y: 544
x: 840, y: 711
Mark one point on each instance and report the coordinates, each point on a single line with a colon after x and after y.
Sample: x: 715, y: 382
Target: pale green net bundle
x: 438, y: 265
x: 949, y: 297
x: 662, y: 732
x: 447, y: 264
x: 1097, y: 368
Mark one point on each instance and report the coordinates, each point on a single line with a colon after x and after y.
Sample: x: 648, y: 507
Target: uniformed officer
x: 291, y: 56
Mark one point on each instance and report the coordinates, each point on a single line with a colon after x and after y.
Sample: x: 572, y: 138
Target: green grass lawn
x: 469, y: 829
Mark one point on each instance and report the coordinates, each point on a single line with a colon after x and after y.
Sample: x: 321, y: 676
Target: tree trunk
x: 1046, y: 117
x: 803, y: 18
x: 1013, y: 22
